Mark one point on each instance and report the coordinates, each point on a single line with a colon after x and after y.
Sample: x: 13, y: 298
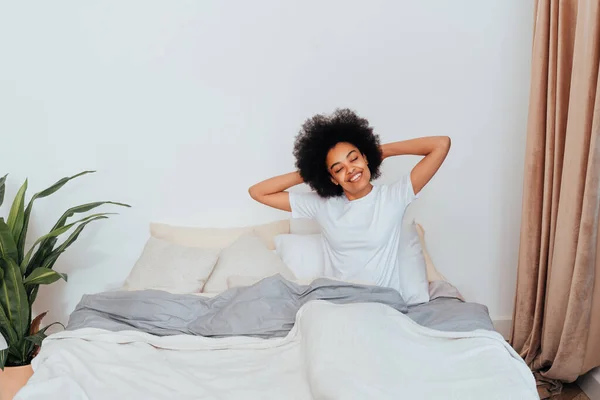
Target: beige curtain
x: 556, y: 320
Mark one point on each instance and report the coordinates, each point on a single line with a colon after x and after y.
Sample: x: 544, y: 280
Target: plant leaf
x: 84, y: 208
x: 43, y: 276
x: 2, y: 188
x: 70, y: 240
x: 59, y: 184
x: 13, y: 297
x: 39, y: 337
x: 7, y: 328
x: 36, y: 340
x: 53, y: 256
x: 44, y: 193
x: 32, y: 294
x: 14, y: 352
x: 35, y: 324
x: 47, y: 245
x: 54, y: 234
x: 30, y: 351
x: 8, y: 248
x: 16, y: 214
x: 3, y: 358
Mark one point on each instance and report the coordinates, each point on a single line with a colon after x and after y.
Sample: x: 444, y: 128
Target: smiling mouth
x: 355, y: 177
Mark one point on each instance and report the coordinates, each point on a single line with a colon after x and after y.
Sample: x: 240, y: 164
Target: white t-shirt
x: 361, y: 238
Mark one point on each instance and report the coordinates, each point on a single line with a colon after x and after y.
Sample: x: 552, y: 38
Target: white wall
x: 180, y: 106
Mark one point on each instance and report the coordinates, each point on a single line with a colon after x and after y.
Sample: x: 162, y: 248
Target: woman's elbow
x: 445, y: 142
x: 253, y: 192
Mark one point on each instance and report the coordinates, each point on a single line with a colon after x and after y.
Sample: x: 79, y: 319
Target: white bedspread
x: 357, y: 351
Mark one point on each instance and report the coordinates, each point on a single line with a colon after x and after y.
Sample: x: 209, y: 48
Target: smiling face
x: 349, y: 169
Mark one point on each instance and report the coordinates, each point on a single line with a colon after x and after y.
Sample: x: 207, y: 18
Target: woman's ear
x: 333, y: 180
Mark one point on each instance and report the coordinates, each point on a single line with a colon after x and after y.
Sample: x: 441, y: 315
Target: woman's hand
x: 272, y: 192
x: 434, y: 148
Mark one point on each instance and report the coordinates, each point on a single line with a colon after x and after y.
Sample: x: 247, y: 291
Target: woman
x: 338, y: 156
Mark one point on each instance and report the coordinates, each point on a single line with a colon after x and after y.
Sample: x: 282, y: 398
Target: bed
x: 243, y: 313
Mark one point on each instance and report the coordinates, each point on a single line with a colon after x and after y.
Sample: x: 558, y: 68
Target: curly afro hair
x: 320, y: 134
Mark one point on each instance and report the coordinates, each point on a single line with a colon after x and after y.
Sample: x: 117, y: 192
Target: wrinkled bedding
x: 278, y: 340
x: 266, y: 309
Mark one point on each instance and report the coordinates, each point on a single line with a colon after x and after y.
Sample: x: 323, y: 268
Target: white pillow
x: 171, y: 267
x: 412, y: 270
x: 247, y: 256
x: 303, y: 254
x: 304, y: 226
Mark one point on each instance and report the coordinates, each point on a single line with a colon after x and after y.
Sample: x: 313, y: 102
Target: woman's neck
x: 359, y: 195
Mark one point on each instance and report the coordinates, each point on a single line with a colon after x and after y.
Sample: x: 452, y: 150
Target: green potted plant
x: 23, y: 270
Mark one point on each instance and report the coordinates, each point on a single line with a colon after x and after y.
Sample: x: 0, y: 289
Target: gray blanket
x: 266, y: 309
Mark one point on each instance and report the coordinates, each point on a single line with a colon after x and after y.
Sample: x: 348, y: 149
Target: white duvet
x: 357, y: 351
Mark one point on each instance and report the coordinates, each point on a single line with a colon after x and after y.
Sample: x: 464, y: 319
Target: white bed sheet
x: 356, y: 351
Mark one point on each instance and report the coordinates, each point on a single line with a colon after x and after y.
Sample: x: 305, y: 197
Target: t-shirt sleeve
x: 403, y: 192
x: 305, y: 205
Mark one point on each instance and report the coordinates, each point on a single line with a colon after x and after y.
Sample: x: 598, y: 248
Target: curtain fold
x: 556, y: 319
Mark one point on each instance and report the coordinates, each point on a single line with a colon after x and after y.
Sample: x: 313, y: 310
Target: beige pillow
x: 171, y: 267
x: 242, y: 281
x: 432, y: 272
x: 442, y: 288
x: 217, y: 237
x: 247, y: 256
